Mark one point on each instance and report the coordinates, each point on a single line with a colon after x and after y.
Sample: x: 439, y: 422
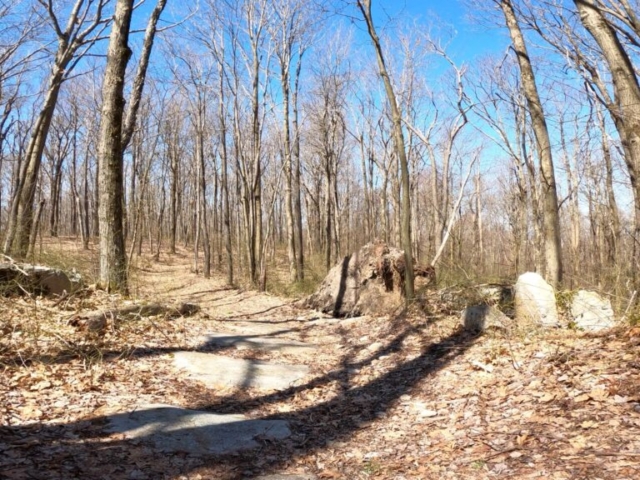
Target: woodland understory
x: 241, y: 130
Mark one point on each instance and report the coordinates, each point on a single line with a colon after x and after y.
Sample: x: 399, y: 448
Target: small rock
x: 480, y: 317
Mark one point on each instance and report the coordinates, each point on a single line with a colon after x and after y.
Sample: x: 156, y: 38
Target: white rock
x: 591, y: 312
x: 535, y: 300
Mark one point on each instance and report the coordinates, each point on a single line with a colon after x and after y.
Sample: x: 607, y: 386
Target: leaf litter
x: 410, y: 397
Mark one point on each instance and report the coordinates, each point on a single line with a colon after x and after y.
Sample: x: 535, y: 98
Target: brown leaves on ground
x: 404, y: 398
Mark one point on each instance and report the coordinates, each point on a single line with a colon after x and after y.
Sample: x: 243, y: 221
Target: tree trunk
x: 225, y: 178
x: 174, y: 198
x: 613, y: 229
x: 626, y: 114
x: 551, y: 219
x: 288, y: 172
x: 21, y: 214
x: 398, y: 137
x: 202, y: 195
x: 113, y: 260
x: 297, y: 201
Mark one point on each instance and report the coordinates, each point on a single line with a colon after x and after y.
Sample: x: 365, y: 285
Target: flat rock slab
x: 258, y: 342
x: 175, y: 429
x: 218, y: 370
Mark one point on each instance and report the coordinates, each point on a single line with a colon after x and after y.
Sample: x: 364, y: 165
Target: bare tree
x: 113, y: 260
x: 551, y: 222
x: 365, y: 9
x: 625, y: 107
x: 84, y: 28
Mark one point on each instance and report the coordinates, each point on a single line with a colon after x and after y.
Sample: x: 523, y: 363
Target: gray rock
x: 257, y: 342
x: 480, y: 317
x: 175, y: 429
x: 535, y: 301
x: 592, y: 312
x: 38, y: 279
x: 53, y: 282
x: 218, y: 370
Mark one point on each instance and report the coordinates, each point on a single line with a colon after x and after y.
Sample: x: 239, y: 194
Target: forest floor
x: 404, y: 397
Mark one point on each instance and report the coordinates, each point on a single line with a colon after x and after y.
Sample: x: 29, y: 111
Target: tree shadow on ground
x: 81, y: 349
x: 82, y: 450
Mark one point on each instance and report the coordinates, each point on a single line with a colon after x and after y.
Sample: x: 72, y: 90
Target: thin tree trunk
x: 297, y: 201
x: 625, y: 112
x: 613, y: 216
x: 225, y: 179
x: 288, y: 172
x: 398, y: 137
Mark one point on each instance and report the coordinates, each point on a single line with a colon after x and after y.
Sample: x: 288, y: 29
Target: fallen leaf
x: 599, y: 394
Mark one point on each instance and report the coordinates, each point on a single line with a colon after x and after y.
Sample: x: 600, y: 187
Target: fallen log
x: 97, y: 321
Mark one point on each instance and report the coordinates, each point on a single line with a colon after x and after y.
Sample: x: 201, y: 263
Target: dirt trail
x: 234, y: 310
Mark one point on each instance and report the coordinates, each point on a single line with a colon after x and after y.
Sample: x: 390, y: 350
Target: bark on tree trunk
x: 113, y: 260
x: 551, y: 218
x: 626, y: 114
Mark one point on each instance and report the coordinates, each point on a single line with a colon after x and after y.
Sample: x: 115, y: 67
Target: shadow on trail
x: 98, y: 351
x: 313, y: 426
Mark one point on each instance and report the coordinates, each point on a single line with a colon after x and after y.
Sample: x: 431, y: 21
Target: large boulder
x: 535, y: 301
x: 591, y: 312
x: 370, y: 281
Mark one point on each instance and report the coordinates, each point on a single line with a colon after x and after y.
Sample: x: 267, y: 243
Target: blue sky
x: 471, y: 40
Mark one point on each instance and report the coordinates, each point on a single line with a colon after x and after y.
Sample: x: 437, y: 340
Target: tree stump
x: 369, y: 281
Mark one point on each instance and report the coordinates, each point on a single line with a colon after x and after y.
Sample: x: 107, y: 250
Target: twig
x: 633, y: 296
x: 11, y: 260
x: 617, y: 454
